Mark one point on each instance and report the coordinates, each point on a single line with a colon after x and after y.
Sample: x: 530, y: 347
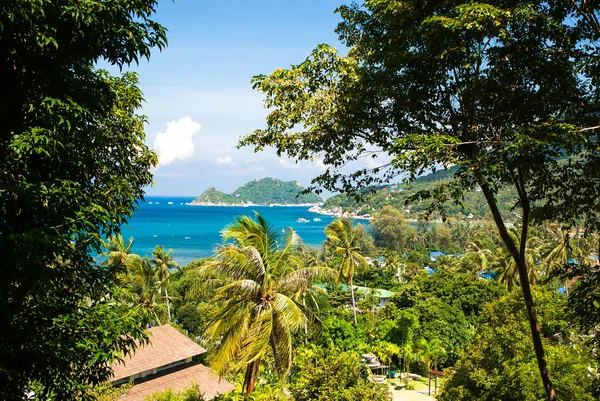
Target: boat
x: 317, y: 219
x: 169, y: 203
x: 187, y: 237
x: 150, y: 203
x: 302, y: 220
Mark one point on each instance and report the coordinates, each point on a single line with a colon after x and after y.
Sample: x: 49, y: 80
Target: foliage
x: 192, y: 393
x: 330, y: 374
x: 500, y: 363
x: 260, y: 285
x: 263, y: 191
x: 74, y: 163
x: 345, y: 242
x: 107, y: 392
x: 502, y: 90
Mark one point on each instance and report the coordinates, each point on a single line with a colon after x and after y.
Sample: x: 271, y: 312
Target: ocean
x: 193, y: 232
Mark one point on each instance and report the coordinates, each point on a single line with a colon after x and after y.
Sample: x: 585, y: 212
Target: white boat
x: 187, y: 237
x: 302, y: 220
x: 316, y: 219
x: 149, y: 203
x: 169, y: 203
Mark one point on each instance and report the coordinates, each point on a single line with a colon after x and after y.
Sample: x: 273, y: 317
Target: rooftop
x: 167, y: 345
x: 177, y: 380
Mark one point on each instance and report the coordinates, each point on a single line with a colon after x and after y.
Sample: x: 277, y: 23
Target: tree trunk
x: 353, y: 301
x: 251, y: 376
x: 519, y: 258
x: 305, y: 322
x: 168, y: 305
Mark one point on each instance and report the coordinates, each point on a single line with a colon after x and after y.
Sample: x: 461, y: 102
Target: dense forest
x: 502, y: 98
x: 458, y: 311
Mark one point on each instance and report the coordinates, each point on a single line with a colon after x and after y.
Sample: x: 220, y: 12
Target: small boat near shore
x: 302, y: 220
x: 317, y: 219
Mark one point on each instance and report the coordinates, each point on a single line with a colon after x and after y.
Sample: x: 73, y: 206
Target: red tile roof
x: 177, y: 380
x: 167, y: 345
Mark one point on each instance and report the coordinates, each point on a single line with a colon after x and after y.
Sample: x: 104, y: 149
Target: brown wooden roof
x: 167, y: 345
x: 179, y: 379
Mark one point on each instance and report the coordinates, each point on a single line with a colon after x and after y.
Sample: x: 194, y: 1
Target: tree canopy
x: 504, y: 90
x: 74, y: 165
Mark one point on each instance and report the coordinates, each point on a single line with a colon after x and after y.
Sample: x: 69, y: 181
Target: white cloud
x: 223, y: 160
x: 176, y: 143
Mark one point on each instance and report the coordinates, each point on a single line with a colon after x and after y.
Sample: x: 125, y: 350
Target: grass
x: 421, y: 384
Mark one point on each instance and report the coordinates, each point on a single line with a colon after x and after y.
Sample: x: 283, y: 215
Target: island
x: 260, y: 192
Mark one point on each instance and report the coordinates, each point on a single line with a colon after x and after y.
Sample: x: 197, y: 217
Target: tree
x: 163, y: 264
x: 332, y: 374
x: 507, y: 269
x: 558, y: 249
x: 258, y: 309
x: 500, y: 365
x: 501, y: 90
x: 476, y: 261
x: 391, y: 231
x: 74, y: 165
x: 343, y: 239
x: 431, y: 353
x: 118, y: 255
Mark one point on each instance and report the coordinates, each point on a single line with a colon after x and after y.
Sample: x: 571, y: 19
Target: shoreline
x: 255, y: 204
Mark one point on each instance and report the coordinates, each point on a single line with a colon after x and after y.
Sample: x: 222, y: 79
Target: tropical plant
x: 431, y: 352
x: 506, y: 268
x: 259, y: 313
x: 74, y: 166
x: 118, y: 255
x: 558, y: 249
x: 144, y: 287
x: 163, y: 264
x: 340, y: 234
x: 477, y: 259
x: 503, y: 91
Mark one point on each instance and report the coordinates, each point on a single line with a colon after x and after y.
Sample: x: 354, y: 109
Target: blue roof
x: 435, y: 254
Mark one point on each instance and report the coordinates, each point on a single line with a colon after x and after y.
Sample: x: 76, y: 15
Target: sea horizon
x: 193, y: 232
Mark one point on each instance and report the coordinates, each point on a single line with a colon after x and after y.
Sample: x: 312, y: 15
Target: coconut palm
x: 142, y: 284
x: 558, y: 249
x: 341, y: 236
x: 118, y: 254
x: 259, y: 313
x: 506, y: 268
x: 163, y: 265
x: 477, y: 258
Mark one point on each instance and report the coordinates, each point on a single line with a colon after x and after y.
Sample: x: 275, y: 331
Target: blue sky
x: 198, y: 94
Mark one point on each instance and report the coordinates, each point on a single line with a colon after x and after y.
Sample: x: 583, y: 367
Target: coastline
x: 255, y: 204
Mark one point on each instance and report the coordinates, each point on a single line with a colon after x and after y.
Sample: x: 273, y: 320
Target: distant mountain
x: 473, y: 204
x: 265, y: 191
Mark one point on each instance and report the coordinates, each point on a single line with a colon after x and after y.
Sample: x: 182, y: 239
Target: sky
x: 198, y: 96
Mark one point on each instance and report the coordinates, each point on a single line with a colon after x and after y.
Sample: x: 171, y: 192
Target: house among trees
x: 167, y: 363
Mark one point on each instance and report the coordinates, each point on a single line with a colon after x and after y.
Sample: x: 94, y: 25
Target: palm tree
x: 506, y: 267
x: 118, y: 255
x: 477, y: 258
x: 142, y: 284
x: 163, y: 264
x: 558, y: 249
x: 341, y: 235
x: 431, y: 352
x: 259, y: 313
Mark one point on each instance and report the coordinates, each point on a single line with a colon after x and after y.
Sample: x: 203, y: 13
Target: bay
x: 193, y: 232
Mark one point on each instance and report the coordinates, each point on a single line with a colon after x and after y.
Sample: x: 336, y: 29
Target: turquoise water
x: 194, y: 231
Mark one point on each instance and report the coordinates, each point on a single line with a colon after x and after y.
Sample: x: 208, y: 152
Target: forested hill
x: 265, y: 191
x: 397, y: 194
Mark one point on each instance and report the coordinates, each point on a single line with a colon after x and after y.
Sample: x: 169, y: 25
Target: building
x: 167, y: 363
